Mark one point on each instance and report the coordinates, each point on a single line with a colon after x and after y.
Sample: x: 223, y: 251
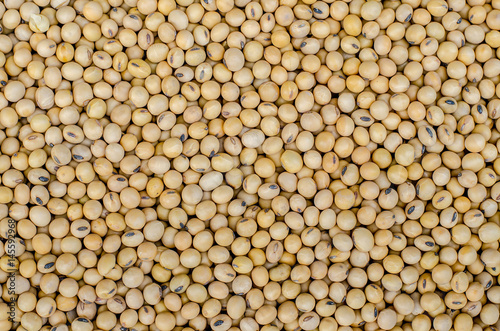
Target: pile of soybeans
x: 249, y: 165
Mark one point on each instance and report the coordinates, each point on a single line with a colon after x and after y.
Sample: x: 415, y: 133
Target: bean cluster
x: 250, y: 165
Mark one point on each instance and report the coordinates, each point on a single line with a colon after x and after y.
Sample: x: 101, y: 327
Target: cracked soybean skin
x: 242, y: 165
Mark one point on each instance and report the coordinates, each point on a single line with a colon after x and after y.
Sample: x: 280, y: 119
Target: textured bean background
x: 249, y: 165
